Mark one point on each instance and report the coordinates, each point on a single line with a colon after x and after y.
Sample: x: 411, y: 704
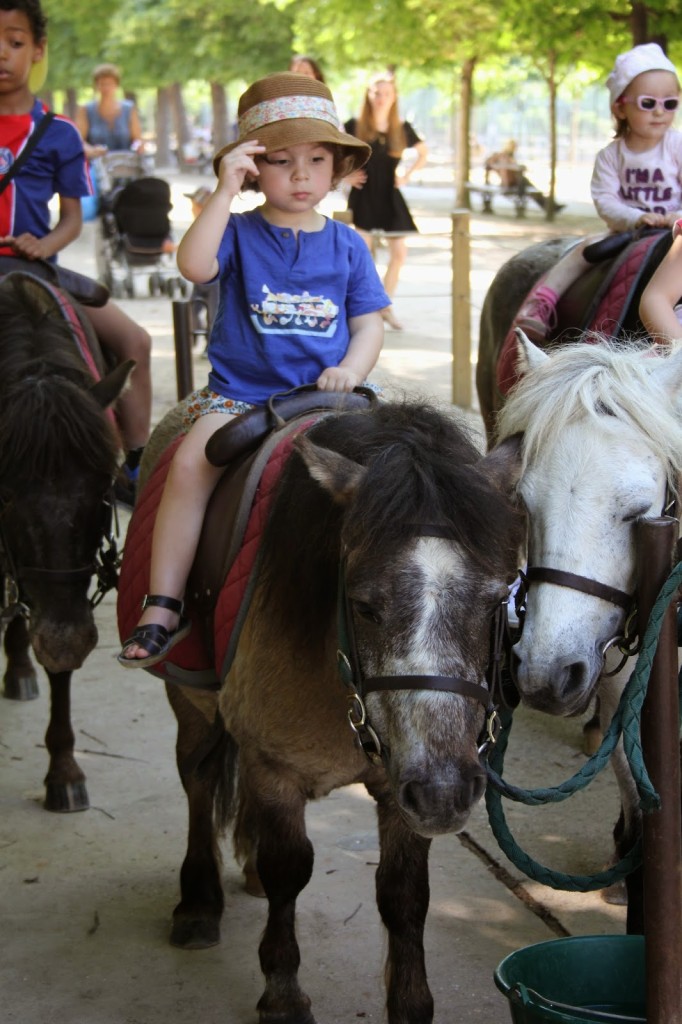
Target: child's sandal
x: 153, y: 638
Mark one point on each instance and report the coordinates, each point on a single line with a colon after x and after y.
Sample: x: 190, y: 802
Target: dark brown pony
x: 391, y: 540
x: 58, y: 455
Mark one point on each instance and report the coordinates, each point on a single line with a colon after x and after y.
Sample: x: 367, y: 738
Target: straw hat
x: 647, y: 57
x: 286, y: 109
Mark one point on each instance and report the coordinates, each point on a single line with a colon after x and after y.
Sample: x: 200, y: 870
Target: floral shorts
x: 205, y: 401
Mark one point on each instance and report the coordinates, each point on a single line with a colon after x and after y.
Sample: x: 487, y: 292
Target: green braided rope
x: 626, y: 720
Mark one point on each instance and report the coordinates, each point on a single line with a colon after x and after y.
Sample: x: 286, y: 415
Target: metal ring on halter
x: 493, y: 727
x: 615, y: 641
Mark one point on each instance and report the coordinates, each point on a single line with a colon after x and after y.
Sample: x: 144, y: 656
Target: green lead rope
x: 625, y: 722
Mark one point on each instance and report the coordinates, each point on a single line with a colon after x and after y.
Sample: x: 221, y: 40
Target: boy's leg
x: 127, y: 340
x: 191, y: 481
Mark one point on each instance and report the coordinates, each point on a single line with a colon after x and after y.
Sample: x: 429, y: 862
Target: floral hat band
x: 286, y: 110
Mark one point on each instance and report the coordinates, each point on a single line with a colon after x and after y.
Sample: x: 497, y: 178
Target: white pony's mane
x: 595, y: 381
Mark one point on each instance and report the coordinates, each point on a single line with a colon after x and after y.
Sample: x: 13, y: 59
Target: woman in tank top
x: 108, y: 123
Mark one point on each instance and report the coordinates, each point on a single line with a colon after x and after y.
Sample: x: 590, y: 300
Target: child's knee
x: 137, y: 345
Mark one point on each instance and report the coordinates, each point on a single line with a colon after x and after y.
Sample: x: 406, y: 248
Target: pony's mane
x: 598, y: 382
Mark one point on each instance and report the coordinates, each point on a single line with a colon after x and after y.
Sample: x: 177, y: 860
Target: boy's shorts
x: 206, y: 401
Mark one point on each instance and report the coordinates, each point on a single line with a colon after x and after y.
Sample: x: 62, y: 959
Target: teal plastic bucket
x: 587, y: 979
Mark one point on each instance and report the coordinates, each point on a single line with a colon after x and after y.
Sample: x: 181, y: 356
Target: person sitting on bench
x: 512, y: 177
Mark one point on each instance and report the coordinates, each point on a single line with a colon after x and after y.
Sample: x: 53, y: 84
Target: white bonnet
x: 647, y: 57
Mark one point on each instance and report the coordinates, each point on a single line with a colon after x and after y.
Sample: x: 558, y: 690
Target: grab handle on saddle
x: 243, y: 433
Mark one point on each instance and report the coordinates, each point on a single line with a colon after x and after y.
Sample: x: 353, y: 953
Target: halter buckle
x: 357, y: 718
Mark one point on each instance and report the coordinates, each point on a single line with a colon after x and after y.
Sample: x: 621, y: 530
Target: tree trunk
x: 639, y: 23
x: 70, y: 103
x: 180, y: 124
x: 162, y: 127
x: 221, y: 119
x: 464, y: 133
x: 549, y: 215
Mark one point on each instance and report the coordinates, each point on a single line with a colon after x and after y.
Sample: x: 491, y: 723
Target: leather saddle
x: 605, y: 299
x: 245, y: 446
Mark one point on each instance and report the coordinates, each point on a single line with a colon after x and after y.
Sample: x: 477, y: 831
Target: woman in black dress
x: 375, y: 198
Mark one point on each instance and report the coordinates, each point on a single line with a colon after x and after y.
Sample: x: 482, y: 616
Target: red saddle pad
x: 198, y: 659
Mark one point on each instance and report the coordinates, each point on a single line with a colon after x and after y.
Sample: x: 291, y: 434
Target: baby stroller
x: 133, y: 232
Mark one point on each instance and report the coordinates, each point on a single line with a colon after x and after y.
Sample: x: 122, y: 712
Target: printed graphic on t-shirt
x: 6, y: 159
x: 646, y: 188
x: 284, y: 313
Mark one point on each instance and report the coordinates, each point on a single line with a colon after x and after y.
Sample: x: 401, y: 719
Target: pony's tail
x: 224, y: 760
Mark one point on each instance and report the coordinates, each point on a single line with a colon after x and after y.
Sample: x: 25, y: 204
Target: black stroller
x: 134, y: 230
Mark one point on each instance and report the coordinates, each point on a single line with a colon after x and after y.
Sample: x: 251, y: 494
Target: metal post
x: 662, y: 851
x: 182, y: 331
x: 461, y: 310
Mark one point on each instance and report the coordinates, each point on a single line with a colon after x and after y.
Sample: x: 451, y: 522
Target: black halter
x: 358, y: 685
x: 104, y: 566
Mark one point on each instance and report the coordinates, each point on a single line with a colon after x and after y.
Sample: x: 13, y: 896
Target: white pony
x: 602, y: 449
x: 602, y: 445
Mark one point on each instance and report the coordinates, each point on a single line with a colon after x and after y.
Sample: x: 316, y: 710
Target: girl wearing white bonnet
x: 636, y: 182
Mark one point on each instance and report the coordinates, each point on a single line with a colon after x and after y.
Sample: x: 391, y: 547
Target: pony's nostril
x: 411, y: 797
x: 575, y: 676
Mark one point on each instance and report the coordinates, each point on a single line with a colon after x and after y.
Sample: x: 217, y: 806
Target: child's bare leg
x: 127, y: 340
x: 537, y: 315
x: 189, y: 485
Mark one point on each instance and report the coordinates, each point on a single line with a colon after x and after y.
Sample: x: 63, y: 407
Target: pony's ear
x: 530, y: 356
x: 339, y: 476
x: 106, y: 391
x: 502, y: 465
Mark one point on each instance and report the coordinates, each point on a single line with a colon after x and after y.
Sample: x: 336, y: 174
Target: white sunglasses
x: 651, y: 102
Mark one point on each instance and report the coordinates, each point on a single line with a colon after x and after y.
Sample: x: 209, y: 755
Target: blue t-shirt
x: 56, y: 165
x: 285, y: 302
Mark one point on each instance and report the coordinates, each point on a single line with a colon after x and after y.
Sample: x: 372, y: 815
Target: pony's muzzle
x: 435, y: 806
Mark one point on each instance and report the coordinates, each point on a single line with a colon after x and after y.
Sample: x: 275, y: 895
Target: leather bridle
x: 626, y: 641
x: 104, y: 566
x: 358, y: 685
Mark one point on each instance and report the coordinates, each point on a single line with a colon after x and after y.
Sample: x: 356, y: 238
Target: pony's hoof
x: 592, y: 740
x: 616, y: 894
x: 293, y: 1015
x: 22, y: 687
x: 66, y: 797
x: 195, y: 932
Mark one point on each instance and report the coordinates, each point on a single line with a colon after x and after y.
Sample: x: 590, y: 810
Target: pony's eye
x: 367, y: 612
x: 639, y: 513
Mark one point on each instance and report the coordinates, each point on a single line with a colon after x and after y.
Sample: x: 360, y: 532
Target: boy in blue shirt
x: 56, y: 165
x: 300, y: 303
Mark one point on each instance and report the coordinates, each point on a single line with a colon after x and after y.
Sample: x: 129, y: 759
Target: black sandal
x: 155, y: 639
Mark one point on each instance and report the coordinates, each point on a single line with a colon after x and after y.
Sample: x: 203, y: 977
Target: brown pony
x: 388, y: 546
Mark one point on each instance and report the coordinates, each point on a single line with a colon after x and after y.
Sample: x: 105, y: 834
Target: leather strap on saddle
x: 243, y: 433
x: 83, y: 289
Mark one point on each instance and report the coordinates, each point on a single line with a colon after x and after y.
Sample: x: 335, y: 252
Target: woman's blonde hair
x: 365, y: 128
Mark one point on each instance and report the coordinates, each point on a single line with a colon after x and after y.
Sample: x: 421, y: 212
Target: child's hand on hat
x: 237, y: 164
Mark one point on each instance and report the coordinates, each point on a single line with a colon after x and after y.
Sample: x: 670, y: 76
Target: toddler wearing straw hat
x: 300, y: 303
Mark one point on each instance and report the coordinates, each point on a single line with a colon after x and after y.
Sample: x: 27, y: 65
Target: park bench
x: 517, y: 194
